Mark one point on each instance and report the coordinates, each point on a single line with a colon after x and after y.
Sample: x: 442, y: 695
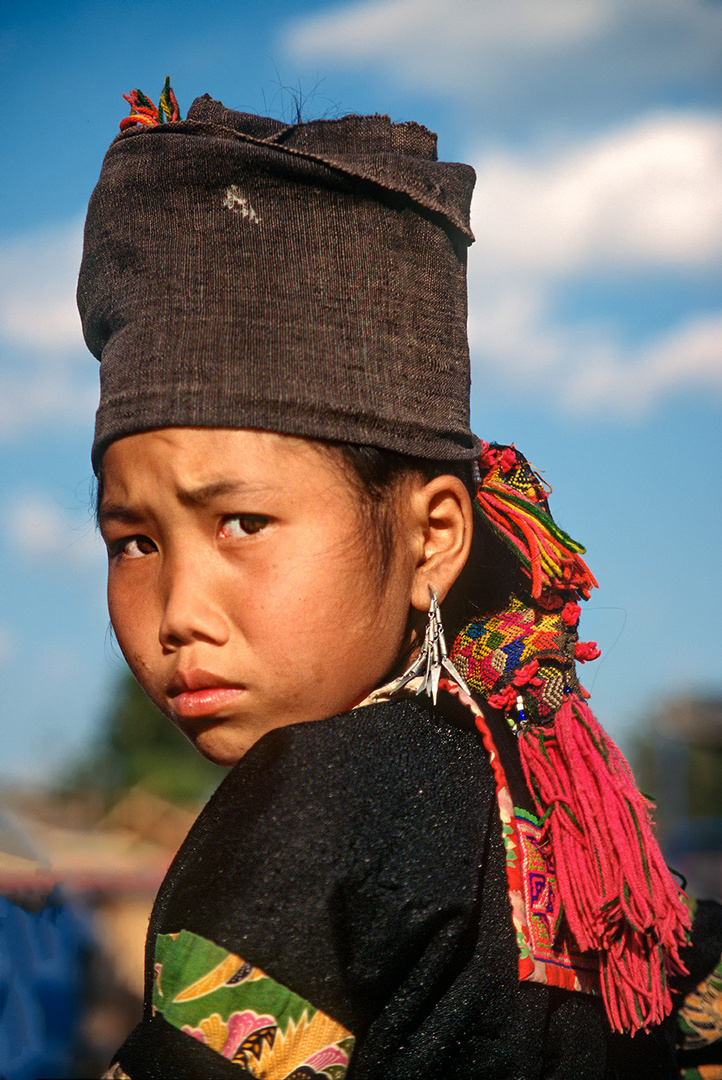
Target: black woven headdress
x: 308, y: 279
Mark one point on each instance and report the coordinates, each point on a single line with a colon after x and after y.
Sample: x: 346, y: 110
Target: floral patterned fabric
x: 700, y: 1025
x: 240, y: 1012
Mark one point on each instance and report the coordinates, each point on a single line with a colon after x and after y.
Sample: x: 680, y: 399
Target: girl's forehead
x: 207, y: 447
x: 213, y: 461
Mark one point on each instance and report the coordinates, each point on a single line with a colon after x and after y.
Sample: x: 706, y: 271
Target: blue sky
x: 595, y: 316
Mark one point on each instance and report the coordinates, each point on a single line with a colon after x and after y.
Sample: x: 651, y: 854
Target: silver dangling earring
x: 433, y: 657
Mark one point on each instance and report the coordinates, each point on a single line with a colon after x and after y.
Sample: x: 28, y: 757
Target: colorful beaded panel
x: 522, y: 647
x: 240, y: 1012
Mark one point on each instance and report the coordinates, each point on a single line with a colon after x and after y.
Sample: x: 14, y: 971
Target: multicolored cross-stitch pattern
x: 244, y: 1015
x: 543, y: 909
x: 490, y: 650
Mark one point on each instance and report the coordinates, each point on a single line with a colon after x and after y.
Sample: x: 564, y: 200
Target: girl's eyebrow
x: 120, y: 513
x: 199, y: 496
x: 204, y: 494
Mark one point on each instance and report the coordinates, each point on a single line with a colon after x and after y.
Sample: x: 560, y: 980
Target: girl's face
x: 240, y: 585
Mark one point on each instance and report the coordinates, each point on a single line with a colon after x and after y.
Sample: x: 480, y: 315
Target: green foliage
x: 705, y: 781
x: 138, y: 745
x: 678, y: 759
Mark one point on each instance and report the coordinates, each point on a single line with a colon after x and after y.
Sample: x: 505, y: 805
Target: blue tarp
x: 42, y: 961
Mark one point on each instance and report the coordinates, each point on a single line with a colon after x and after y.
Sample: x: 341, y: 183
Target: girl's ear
x: 444, y: 523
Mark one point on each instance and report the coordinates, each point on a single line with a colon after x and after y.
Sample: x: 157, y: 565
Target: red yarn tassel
x: 618, y: 897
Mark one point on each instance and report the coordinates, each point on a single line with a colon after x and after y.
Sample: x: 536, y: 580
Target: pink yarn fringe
x: 618, y: 896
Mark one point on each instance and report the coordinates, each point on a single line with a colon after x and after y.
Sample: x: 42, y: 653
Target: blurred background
x: 596, y: 334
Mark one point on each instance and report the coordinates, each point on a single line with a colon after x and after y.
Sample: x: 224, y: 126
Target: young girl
x: 420, y: 865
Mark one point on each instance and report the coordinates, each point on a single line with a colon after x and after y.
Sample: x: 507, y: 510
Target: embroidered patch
x: 240, y: 1012
x: 539, y: 882
x: 489, y: 651
x: 543, y: 909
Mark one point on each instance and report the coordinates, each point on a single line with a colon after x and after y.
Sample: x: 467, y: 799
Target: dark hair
x: 492, y: 573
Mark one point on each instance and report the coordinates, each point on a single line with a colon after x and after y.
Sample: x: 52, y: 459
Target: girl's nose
x: 190, y: 613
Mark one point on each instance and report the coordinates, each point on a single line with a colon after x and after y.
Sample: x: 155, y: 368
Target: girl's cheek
x: 147, y: 678
x: 131, y: 616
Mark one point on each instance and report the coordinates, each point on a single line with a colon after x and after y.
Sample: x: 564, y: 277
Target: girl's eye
x: 133, y: 547
x: 238, y: 525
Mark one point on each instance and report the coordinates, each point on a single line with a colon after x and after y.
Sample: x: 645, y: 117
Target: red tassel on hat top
x: 619, y: 899
x: 144, y: 112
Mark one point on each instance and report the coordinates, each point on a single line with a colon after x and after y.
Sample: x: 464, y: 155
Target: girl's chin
x: 227, y: 760
x: 220, y: 746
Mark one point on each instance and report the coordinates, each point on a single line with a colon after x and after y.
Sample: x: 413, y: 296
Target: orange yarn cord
x: 144, y: 112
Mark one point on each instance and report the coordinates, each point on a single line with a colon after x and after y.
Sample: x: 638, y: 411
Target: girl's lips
x: 206, y: 701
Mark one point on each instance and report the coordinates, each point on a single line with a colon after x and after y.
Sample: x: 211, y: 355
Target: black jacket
x: 359, y: 862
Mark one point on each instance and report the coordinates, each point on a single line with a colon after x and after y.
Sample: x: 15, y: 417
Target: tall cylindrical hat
x: 307, y: 279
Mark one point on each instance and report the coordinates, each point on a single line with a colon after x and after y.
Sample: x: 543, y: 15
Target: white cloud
x: 392, y: 28
x: 585, y: 369
x: 47, y: 377
x: 646, y: 198
x: 649, y: 194
x: 522, y: 55
x: 509, y: 330
x: 41, y: 395
x: 688, y: 357
x: 39, y: 530
x: 38, y: 275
